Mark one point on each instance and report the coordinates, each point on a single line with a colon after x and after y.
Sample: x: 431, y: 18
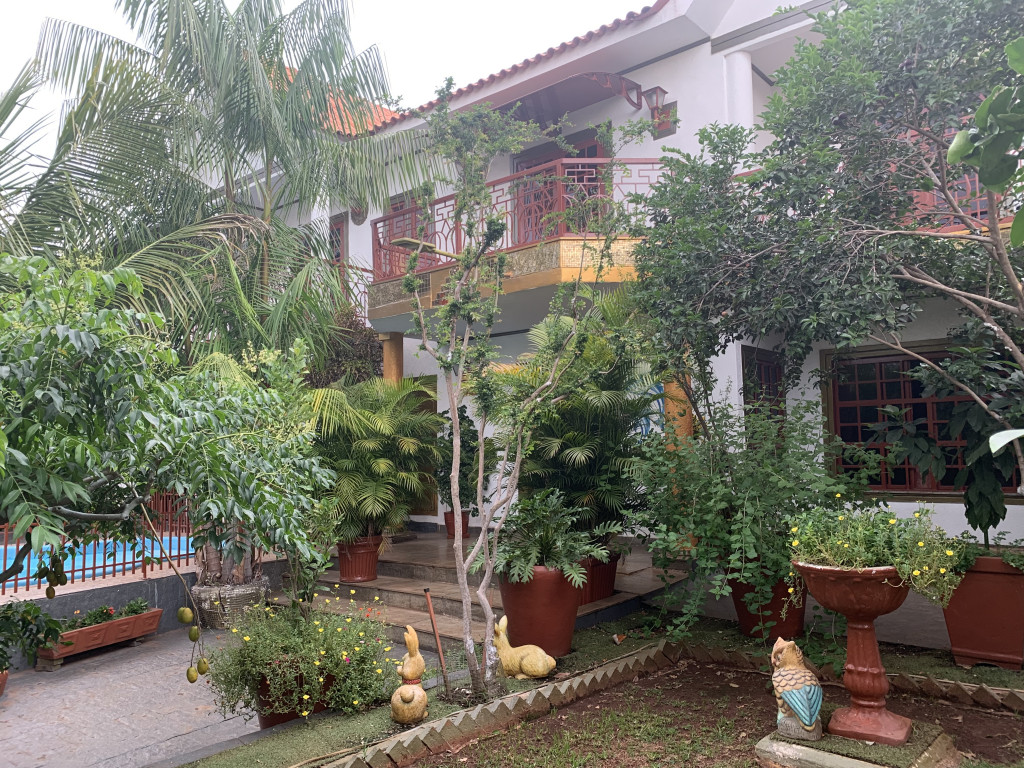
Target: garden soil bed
x: 698, y: 714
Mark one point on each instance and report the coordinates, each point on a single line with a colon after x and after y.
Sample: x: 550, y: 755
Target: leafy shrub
x: 25, y: 627
x: 104, y: 613
x: 299, y: 659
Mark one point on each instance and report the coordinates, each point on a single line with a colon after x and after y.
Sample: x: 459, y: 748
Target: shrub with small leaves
x: 872, y: 536
x: 300, y: 658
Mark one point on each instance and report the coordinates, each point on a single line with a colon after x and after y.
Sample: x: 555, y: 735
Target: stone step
x: 397, y: 592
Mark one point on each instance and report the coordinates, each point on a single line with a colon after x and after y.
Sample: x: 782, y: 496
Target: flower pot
x: 788, y: 628
x: 3, y: 680
x: 985, y: 617
x: 99, y: 635
x: 268, y: 719
x: 600, y: 579
x: 449, y: 524
x: 221, y: 605
x: 358, y: 561
x: 541, y: 611
x: 862, y: 596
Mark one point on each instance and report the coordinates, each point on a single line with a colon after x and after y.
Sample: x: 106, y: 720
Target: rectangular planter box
x: 107, y: 633
x: 985, y: 618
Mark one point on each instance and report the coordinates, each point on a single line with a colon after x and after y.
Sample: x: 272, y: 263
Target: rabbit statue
x: 523, y: 661
x: 409, y: 702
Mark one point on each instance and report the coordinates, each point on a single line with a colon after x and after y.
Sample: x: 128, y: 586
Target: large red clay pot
x: 270, y: 719
x: 985, y: 618
x: 788, y: 628
x: 600, y: 579
x: 541, y: 611
x: 358, y: 561
x: 449, y: 524
x: 3, y: 680
x: 862, y: 596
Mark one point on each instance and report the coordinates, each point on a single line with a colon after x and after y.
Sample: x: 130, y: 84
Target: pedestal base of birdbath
x: 862, y: 596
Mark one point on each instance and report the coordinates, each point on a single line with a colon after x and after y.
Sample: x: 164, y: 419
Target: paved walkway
x: 122, y: 708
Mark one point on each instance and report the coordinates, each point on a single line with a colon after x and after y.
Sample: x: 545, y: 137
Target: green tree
x: 96, y: 417
x: 255, y: 115
x: 852, y: 221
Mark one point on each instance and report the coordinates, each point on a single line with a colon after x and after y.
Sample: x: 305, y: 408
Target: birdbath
x: 862, y: 596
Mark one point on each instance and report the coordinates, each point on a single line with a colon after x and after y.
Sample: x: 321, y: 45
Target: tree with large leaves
x: 236, y: 123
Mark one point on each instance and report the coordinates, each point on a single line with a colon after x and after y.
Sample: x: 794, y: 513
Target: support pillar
x: 677, y: 409
x: 739, y: 89
x: 394, y: 355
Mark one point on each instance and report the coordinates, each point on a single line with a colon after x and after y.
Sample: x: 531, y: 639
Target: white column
x: 739, y: 89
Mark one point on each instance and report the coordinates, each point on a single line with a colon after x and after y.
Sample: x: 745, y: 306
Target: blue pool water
x: 102, y: 558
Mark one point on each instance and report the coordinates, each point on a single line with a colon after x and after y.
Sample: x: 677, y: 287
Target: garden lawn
x: 705, y: 716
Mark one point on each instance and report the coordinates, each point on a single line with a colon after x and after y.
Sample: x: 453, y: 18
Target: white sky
x: 423, y: 41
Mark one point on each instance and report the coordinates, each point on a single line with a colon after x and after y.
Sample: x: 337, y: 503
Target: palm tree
x: 256, y: 115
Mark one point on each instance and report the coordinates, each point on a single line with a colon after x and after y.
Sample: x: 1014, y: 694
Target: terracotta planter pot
x: 449, y: 524
x: 600, y: 579
x: 358, y: 561
x: 788, y: 628
x: 985, y: 618
x: 862, y: 596
x: 3, y: 680
x: 541, y: 611
x: 270, y: 719
x: 107, y: 633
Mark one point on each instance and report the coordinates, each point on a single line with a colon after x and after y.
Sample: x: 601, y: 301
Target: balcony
x: 538, y: 205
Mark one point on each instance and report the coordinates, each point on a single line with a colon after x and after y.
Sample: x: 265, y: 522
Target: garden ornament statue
x: 409, y: 702
x: 797, y: 692
x: 522, y: 661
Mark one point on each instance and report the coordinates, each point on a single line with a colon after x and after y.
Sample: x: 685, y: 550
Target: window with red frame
x: 859, y: 390
x: 337, y: 241
x: 762, y: 378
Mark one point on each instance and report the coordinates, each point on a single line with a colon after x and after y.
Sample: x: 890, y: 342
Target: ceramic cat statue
x: 797, y: 693
x: 522, y: 661
x: 409, y: 702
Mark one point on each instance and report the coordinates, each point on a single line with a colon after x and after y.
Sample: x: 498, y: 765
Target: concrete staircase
x: 427, y: 561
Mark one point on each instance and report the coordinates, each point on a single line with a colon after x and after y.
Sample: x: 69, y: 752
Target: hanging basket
x: 221, y: 605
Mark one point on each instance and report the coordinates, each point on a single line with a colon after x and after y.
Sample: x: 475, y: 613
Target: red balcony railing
x: 552, y: 200
x: 104, y: 558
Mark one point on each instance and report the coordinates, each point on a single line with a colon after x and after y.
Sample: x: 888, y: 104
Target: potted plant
x: 725, y: 497
x: 468, y: 469
x: 24, y: 628
x: 380, y: 438
x: 538, y: 560
x: 584, y: 446
x: 99, y: 627
x: 282, y: 663
x: 862, y: 561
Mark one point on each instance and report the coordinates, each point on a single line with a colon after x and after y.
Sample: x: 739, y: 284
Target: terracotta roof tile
x: 629, y: 18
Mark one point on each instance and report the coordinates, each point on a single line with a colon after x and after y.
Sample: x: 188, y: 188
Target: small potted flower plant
x: 862, y: 562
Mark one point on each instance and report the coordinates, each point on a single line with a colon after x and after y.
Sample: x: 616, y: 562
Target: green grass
x: 910, y: 661
x: 879, y: 754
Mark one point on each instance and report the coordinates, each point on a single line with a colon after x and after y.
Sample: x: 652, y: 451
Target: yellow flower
x: 246, y: 638
x: 323, y: 653
x: 234, y: 629
x: 356, y: 702
x: 791, y: 590
x: 305, y: 712
x: 351, y: 591
x: 378, y: 671
x: 349, y: 619
x: 320, y: 679
x: 942, y: 570
x: 321, y: 629
x: 839, y: 495
x: 305, y: 696
x: 301, y: 600
x: 389, y: 647
x: 892, y: 521
x: 316, y: 663
x: 357, y: 648
x: 917, y: 572
x: 925, y: 568
x: 337, y: 585
x: 317, y: 623
x: 794, y: 529
x: 949, y: 552
x: 920, y: 543
x: 842, y: 517
x: 215, y: 602
x: 276, y: 599
x: 796, y: 542
x: 339, y: 629
x: 917, y: 514
x: 360, y: 634
x: 846, y: 546
x: 375, y: 598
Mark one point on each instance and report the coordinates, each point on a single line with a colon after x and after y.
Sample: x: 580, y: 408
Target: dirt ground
x: 702, y: 715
